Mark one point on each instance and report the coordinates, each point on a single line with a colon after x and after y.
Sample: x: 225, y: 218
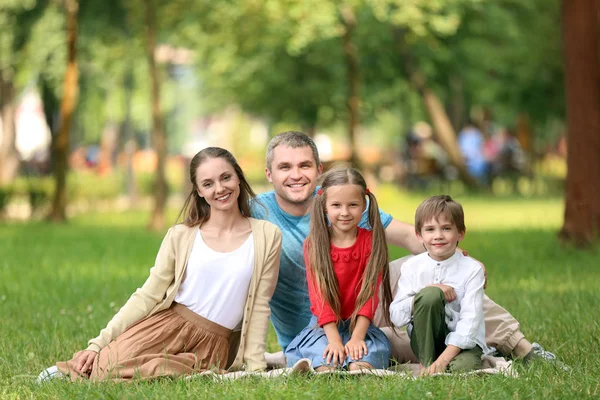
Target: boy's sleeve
x: 471, y: 313
x: 402, y: 307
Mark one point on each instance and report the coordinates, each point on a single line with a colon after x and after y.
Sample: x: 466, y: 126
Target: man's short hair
x: 435, y: 206
x: 294, y: 140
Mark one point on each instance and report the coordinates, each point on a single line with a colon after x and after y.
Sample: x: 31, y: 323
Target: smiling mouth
x: 296, y: 185
x: 224, y: 198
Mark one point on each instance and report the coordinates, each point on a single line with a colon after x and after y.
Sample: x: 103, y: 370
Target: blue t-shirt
x: 290, y: 305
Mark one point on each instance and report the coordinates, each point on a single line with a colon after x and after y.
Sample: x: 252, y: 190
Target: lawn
x: 59, y: 285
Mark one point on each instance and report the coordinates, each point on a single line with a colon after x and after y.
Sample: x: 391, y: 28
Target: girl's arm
x: 334, y: 352
x: 254, y: 350
x: 356, y: 346
x: 145, y: 298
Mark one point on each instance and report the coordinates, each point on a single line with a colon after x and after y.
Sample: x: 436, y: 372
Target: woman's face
x: 218, y: 183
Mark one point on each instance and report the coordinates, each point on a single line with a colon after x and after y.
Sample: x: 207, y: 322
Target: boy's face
x: 440, y: 237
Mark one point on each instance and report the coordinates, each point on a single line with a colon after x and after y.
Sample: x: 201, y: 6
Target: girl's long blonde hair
x: 318, y: 248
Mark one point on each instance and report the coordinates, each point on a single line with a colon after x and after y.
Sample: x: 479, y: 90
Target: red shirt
x: 349, y: 265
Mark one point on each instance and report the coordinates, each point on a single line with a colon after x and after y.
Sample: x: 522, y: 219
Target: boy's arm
x: 444, y: 359
x: 401, y: 308
x: 471, y: 313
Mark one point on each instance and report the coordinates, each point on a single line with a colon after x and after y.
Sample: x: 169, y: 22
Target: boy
x: 440, y: 293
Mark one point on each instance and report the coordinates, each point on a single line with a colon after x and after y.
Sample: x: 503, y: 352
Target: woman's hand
x: 334, y: 353
x: 449, y: 293
x: 85, y: 360
x: 356, y: 349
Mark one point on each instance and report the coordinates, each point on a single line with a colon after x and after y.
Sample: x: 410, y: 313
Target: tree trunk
x: 443, y: 130
x: 582, y: 75
x: 159, y: 140
x: 442, y: 127
x: 353, y: 99
x: 61, y: 143
x: 9, y: 158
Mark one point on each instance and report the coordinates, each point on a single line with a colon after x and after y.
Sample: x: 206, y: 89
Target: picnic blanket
x: 491, y: 366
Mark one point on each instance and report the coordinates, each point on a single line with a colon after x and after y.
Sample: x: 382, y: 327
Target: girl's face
x: 344, y: 206
x: 218, y: 183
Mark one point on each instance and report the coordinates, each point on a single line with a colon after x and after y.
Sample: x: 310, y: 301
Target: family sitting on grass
x: 316, y: 263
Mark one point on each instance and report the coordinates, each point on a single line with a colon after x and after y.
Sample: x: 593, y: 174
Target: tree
x: 582, y: 74
x: 61, y: 143
x: 159, y: 139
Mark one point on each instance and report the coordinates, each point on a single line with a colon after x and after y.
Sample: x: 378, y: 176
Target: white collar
x: 453, y: 259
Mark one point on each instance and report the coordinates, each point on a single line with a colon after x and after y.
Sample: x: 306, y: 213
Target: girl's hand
x: 85, y: 360
x: 334, y: 353
x: 356, y: 349
x: 449, y: 294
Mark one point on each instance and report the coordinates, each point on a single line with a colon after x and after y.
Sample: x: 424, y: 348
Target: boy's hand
x: 334, y: 353
x: 449, y: 293
x: 356, y: 349
x: 435, y: 368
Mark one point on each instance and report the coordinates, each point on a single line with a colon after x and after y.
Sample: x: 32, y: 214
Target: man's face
x: 294, y: 174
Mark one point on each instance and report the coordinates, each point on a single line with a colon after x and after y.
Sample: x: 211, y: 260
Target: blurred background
x: 103, y: 103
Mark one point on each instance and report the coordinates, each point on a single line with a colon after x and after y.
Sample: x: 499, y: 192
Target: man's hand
x: 449, y: 293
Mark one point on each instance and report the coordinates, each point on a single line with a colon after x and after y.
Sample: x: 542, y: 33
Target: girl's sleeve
x: 254, y: 351
x: 144, y: 299
x: 319, y: 307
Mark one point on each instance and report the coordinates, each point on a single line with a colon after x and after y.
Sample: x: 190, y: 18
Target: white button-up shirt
x: 464, y: 316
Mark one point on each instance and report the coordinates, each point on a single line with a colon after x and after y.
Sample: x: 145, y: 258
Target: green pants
x: 429, y: 332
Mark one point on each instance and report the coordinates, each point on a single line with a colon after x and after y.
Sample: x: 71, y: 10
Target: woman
x: 213, y: 273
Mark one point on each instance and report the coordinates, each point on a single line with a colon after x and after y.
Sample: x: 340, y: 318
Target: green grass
x: 59, y: 285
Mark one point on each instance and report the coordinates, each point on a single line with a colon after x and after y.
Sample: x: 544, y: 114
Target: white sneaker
x: 50, y: 373
x: 275, y: 360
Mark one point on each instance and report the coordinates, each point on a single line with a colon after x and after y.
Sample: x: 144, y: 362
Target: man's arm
x: 403, y: 235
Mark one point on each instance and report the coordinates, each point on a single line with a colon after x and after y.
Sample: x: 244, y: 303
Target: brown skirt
x: 172, y: 342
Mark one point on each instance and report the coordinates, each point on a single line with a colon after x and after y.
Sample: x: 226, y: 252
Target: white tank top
x: 216, y: 284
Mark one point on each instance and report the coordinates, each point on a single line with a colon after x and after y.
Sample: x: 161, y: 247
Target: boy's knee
x: 430, y: 296
x: 466, y: 361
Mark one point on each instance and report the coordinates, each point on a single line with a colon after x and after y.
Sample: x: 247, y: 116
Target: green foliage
x: 61, y: 291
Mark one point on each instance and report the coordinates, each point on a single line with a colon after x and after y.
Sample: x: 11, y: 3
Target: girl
x: 345, y: 265
x: 214, y: 272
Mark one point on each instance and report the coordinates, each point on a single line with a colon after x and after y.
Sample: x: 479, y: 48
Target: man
x: 293, y: 167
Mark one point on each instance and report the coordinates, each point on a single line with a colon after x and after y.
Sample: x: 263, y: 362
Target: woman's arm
x: 254, y: 351
x: 144, y: 299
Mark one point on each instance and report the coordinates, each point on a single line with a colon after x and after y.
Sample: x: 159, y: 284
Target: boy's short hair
x: 435, y: 206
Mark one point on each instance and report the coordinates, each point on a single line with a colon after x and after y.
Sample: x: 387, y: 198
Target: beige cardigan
x: 159, y: 290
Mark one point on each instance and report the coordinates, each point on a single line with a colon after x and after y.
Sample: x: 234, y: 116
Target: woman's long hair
x: 318, y: 248
x: 196, y: 210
